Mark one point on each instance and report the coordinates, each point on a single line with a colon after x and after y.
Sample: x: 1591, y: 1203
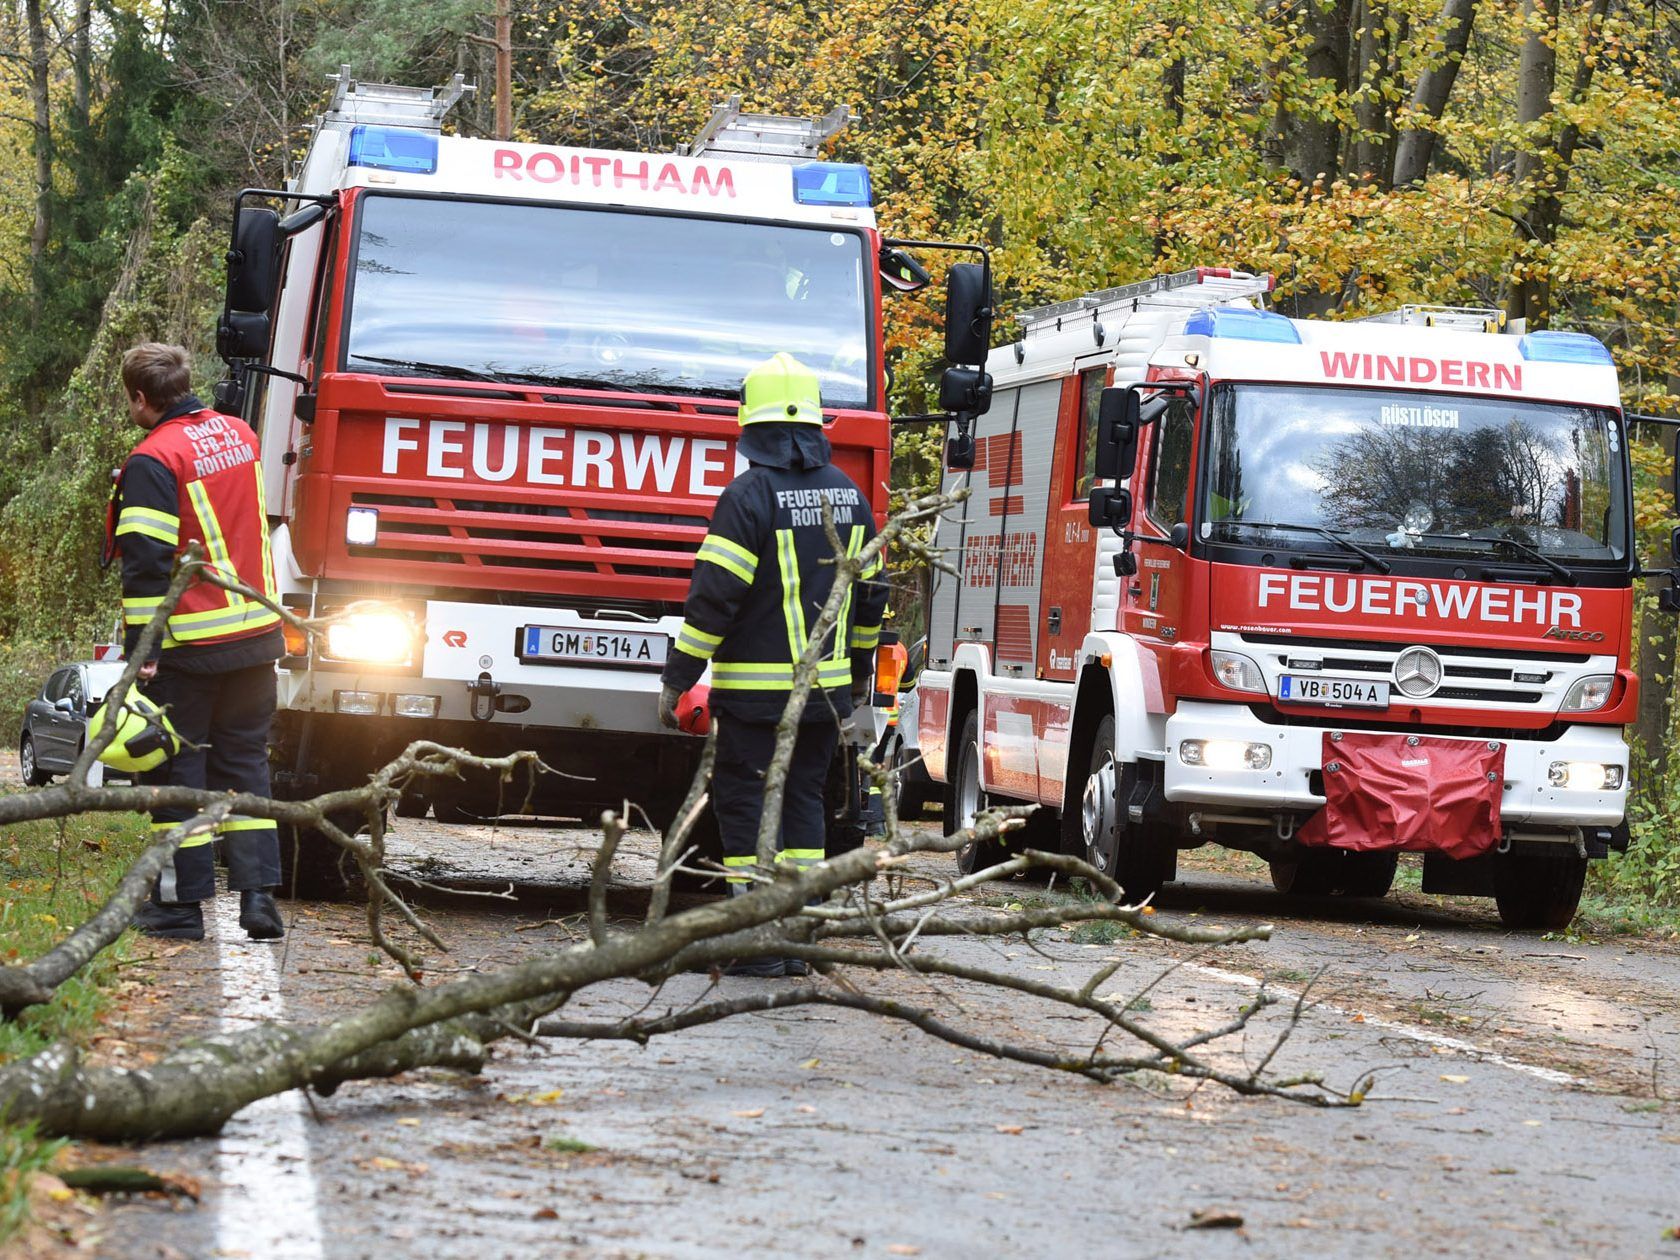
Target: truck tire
x: 1335, y: 873
x: 413, y: 804
x: 313, y: 868
x: 912, y: 782
x: 965, y: 799
x: 1138, y: 857
x: 1538, y: 892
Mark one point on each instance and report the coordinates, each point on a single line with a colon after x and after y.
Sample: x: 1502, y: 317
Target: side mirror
x: 959, y: 451
x: 229, y: 395
x: 64, y: 704
x: 302, y: 219
x: 253, y: 264
x: 1180, y: 535
x: 1110, y: 506
x: 242, y: 334
x: 1125, y: 564
x: 901, y: 270
x: 968, y: 390
x: 968, y: 314
x: 1118, y: 421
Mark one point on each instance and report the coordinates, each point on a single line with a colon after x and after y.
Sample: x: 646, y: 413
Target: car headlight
x: 377, y: 636
x: 1233, y: 670
x: 1585, y: 776
x: 361, y: 526
x: 1589, y: 693
x: 1225, y: 754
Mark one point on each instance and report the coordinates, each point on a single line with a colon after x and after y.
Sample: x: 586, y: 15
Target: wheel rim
x: 26, y: 755
x: 968, y: 788
x: 1096, y: 814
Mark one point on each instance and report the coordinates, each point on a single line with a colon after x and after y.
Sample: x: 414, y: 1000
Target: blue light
x: 831, y: 184
x: 1564, y: 347
x: 1242, y: 324
x: 394, y: 149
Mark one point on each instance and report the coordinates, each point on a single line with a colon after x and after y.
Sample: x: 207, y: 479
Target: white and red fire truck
x: 496, y: 387
x: 1322, y: 591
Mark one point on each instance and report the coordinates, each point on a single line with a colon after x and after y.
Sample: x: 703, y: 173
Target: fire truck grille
x: 1468, y: 675
x: 501, y: 535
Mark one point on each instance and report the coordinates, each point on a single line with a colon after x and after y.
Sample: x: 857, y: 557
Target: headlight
x: 1225, y: 754
x: 361, y: 527
x: 1236, y: 672
x: 1589, y: 693
x: 1585, y: 776
x: 378, y: 636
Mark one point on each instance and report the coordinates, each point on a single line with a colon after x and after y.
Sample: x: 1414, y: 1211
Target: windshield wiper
x: 1341, y: 540
x: 1530, y: 553
x: 450, y: 371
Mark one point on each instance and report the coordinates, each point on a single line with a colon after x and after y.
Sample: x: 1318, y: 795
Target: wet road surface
x: 1523, y: 1104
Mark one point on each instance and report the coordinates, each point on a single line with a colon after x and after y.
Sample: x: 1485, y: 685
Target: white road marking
x: 1409, y: 1031
x: 267, y: 1204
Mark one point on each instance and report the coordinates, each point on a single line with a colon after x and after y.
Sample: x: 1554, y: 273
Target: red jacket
x: 195, y: 478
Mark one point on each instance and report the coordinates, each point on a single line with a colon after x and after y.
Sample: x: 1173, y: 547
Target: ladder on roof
x: 390, y: 104
x: 1217, y: 285
x: 764, y: 137
x: 1489, y: 319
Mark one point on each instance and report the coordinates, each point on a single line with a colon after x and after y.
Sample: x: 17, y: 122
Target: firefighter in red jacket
x: 195, y: 477
x: 762, y: 575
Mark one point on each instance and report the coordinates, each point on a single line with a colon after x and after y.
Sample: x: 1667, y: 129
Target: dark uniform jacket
x: 195, y: 478
x: 760, y: 580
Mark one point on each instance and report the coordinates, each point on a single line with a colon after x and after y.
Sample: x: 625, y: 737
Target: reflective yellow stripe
x: 150, y: 522
x: 248, y: 615
x: 793, y: 613
x: 191, y: 842
x: 801, y: 857
x: 872, y: 568
x: 866, y: 638
x: 853, y: 546
x: 238, y: 822
x: 139, y: 609
x: 775, y: 675
x: 729, y: 556
x: 697, y: 642
x: 270, y: 587
x: 734, y: 863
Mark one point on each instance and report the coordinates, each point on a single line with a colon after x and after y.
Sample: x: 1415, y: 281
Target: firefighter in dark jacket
x: 195, y: 477
x: 761, y: 577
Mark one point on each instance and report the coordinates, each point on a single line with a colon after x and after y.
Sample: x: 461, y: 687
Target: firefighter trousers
x: 744, y: 750
x: 223, y: 721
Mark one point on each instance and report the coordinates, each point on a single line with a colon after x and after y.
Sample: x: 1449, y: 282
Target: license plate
x: 1335, y: 693
x: 562, y: 645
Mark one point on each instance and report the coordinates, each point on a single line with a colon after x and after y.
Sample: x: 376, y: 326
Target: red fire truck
x: 1321, y: 591
x: 496, y: 387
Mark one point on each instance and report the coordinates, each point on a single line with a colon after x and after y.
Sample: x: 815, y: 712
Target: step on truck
x: 496, y: 387
x: 1321, y: 591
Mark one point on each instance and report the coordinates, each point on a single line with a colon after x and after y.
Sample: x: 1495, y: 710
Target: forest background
x: 1515, y: 153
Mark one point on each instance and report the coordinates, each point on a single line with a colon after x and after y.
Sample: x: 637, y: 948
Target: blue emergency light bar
x: 1563, y: 347
x: 1241, y: 324
x: 394, y: 149
x: 831, y: 184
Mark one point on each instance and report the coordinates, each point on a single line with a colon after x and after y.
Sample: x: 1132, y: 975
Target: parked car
x: 55, y: 721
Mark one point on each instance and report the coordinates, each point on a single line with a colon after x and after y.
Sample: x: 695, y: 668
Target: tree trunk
x: 1371, y: 116
x: 1656, y: 659
x: 1310, y: 135
x: 81, y: 57
x: 1542, y: 169
x: 1434, y: 88
x: 39, y: 83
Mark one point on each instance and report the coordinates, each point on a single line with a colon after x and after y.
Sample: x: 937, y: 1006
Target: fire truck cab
x: 1322, y: 591
x: 496, y: 386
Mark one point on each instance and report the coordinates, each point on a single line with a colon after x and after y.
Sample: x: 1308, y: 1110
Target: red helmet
x: 694, y: 710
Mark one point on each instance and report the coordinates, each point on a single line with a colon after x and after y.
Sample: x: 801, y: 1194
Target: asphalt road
x: 1525, y: 1099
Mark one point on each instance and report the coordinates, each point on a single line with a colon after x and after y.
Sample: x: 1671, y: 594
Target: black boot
x: 763, y: 967
x: 795, y: 967
x: 259, y: 916
x: 172, y: 920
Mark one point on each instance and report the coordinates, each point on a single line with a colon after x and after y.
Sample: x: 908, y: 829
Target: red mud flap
x: 1410, y: 792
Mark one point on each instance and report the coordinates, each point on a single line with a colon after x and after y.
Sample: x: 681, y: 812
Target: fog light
x: 1225, y: 754
x: 414, y: 706
x: 379, y: 636
x: 361, y: 527
x: 1585, y: 776
x: 361, y: 703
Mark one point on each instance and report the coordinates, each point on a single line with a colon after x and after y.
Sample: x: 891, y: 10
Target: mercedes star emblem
x: 1417, y: 672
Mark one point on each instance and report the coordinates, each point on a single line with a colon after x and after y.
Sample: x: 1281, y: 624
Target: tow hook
x: 481, y: 697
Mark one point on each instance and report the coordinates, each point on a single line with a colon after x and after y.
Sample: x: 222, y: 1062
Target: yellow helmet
x: 144, y: 738
x: 781, y: 390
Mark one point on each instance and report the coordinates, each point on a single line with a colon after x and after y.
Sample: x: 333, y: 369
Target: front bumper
x: 1297, y: 756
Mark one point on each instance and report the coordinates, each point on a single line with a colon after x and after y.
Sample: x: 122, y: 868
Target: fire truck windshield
x: 649, y: 303
x: 1419, y: 474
